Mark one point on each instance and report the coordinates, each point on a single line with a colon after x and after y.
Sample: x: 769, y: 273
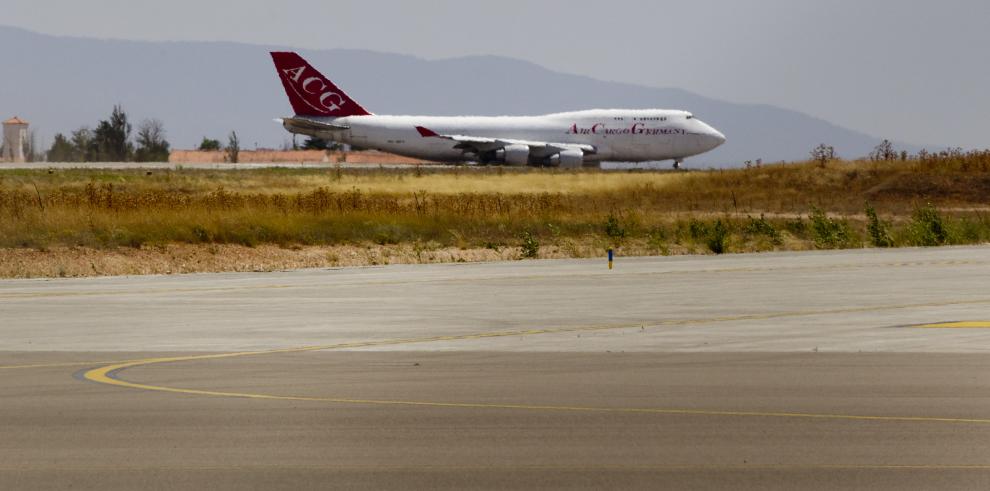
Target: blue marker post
x: 611, y: 257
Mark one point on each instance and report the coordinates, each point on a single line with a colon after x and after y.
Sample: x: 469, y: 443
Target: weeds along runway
x: 810, y: 370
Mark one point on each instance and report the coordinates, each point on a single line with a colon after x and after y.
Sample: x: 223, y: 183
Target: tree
x: 113, y: 138
x: 152, y: 146
x: 233, y: 148
x: 84, y: 144
x: 29, y: 147
x: 883, y: 152
x: 823, y: 154
x: 62, y: 150
x: 209, y: 145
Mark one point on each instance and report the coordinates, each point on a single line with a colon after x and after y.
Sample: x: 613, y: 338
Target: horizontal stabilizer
x: 311, y: 127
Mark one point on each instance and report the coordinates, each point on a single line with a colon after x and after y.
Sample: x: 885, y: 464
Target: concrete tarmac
x: 285, y: 165
x: 204, y: 165
x: 772, y: 371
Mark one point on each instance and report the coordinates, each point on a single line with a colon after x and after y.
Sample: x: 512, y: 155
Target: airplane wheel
x: 677, y: 165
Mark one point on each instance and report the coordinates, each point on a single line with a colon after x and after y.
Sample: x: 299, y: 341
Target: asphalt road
x: 775, y: 371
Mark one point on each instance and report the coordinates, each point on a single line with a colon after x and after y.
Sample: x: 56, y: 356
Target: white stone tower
x: 14, y: 136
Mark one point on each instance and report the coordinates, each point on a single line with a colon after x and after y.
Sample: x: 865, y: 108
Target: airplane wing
x: 480, y: 144
x: 310, y: 127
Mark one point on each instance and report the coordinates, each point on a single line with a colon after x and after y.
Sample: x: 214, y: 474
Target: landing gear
x: 677, y: 165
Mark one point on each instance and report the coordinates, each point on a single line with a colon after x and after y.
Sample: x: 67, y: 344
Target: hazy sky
x: 908, y: 70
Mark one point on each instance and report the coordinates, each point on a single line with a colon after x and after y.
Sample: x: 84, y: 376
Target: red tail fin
x: 310, y: 93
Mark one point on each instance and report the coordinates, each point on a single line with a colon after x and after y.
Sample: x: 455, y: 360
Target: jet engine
x: 568, y: 158
x: 514, y: 154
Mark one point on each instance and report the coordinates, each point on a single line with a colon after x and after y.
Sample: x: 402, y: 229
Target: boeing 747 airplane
x: 571, y: 139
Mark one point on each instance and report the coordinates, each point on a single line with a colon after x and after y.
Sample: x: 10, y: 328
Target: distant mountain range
x: 210, y: 88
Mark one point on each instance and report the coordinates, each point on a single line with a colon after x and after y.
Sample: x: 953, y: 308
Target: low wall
x: 289, y: 156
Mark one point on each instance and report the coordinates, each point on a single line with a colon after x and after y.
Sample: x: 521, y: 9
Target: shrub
x: 384, y: 234
x: 718, y: 238
x: 828, y: 233
x: 928, y: 228
x: 209, y: 145
x: 657, y: 240
x: 796, y: 226
x: 973, y: 230
x: 762, y: 226
x: 698, y: 229
x: 530, y: 246
x: 879, y: 231
x: 201, y: 234
x: 614, y: 229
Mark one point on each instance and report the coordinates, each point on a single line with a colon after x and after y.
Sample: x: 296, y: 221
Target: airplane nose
x: 718, y: 136
x: 713, y: 137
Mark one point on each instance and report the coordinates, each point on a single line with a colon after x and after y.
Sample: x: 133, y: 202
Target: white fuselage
x: 616, y: 135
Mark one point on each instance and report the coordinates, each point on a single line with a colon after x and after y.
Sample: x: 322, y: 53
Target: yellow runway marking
x: 103, y: 375
x: 958, y: 325
x: 108, y: 374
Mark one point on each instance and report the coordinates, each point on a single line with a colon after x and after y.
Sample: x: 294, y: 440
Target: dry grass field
x: 98, y: 222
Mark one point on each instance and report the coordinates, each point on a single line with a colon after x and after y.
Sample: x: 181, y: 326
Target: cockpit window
x: 690, y: 116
